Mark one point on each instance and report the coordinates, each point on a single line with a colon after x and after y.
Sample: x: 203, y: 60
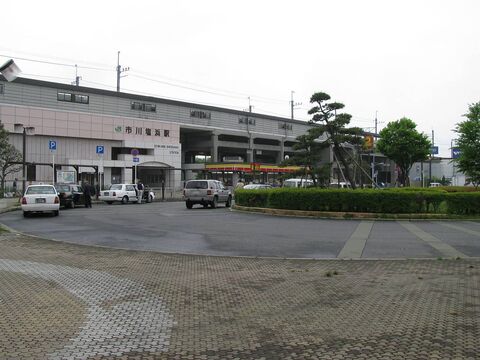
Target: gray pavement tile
x: 68, y: 301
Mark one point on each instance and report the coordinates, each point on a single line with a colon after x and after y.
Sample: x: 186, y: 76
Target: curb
x: 349, y: 215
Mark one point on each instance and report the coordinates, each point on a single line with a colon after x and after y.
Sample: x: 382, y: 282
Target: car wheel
x: 55, y: 213
x: 214, y: 203
x: 125, y: 199
x: 109, y: 202
x: 229, y: 202
x: 188, y: 204
x: 205, y: 205
x: 26, y: 214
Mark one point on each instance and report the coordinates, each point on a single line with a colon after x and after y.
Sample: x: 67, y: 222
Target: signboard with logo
x: 368, y: 142
x: 66, y: 177
x: 456, y: 152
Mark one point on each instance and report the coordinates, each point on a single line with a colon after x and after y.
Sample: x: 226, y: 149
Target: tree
x: 334, y: 126
x: 9, y: 155
x: 308, y: 155
x: 469, y: 143
x: 402, y: 143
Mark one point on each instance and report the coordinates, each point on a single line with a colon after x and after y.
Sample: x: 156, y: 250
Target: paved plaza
x: 68, y: 301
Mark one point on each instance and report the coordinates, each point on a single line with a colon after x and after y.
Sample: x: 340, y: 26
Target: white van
x: 296, y: 183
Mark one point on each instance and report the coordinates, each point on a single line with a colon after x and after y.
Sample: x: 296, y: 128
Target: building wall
x: 78, y: 134
x: 44, y: 95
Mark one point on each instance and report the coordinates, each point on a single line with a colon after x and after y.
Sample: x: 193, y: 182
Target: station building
x: 107, y: 137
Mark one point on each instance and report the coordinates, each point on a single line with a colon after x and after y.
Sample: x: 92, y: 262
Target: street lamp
x: 26, y: 130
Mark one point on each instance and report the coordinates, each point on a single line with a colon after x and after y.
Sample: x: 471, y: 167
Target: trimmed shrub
x: 253, y: 198
x: 390, y: 201
x: 463, y: 203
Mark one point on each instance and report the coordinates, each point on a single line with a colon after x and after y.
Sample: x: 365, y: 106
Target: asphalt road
x: 170, y: 227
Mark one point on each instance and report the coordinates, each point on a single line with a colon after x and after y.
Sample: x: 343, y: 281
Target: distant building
x: 440, y: 167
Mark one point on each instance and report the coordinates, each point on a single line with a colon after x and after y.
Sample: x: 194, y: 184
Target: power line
x: 56, y: 63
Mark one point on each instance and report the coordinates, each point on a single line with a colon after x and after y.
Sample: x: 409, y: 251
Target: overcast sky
x: 413, y: 58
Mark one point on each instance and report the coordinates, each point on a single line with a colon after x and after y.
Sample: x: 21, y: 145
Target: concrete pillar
x: 281, y: 153
x: 214, y: 149
x: 127, y: 174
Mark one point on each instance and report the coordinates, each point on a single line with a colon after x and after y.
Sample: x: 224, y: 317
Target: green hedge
x: 390, y: 201
x: 463, y: 203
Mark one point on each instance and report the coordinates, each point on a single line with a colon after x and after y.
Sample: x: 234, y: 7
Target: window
x: 151, y: 107
x: 143, y: 107
x: 76, y: 98
x: 2, y: 89
x: 166, y: 133
x: 285, y: 126
x: 83, y: 99
x: 246, y: 120
x: 200, y: 114
x: 31, y: 172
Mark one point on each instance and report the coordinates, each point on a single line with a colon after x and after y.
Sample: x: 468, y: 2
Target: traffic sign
x: 434, y: 150
x: 52, y: 145
x: 136, y: 159
x: 135, y: 152
x: 456, y: 152
x: 100, y: 149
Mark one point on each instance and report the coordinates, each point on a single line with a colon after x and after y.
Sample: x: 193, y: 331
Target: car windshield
x: 33, y: 190
x: 116, y: 187
x: 197, y: 185
x: 62, y: 188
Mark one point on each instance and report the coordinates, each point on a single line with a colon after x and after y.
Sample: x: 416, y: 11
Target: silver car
x: 206, y: 192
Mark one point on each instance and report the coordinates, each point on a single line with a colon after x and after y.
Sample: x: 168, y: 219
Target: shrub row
x: 372, y: 201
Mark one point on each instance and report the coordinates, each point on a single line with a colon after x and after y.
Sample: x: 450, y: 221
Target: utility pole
x: 249, y: 106
x: 119, y: 71
x: 293, y: 104
x: 77, y: 78
x: 431, y: 157
x: 374, y: 182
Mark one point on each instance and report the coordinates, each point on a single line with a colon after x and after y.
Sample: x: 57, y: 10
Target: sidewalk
x: 61, y: 301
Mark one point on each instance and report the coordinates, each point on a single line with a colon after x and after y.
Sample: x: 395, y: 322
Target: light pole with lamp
x: 26, y: 130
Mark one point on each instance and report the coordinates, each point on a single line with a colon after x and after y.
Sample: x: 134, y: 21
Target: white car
x: 257, y: 186
x: 123, y: 193
x: 40, y: 198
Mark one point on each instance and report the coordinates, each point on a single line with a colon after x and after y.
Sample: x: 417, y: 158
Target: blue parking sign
x: 100, y: 149
x: 52, y: 145
x: 456, y: 152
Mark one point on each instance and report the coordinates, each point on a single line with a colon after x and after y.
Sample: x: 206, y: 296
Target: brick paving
x: 60, y: 301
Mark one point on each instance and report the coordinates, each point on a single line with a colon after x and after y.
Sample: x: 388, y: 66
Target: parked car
x: 40, y: 198
x: 70, y: 195
x: 123, y: 193
x: 257, y: 186
x: 340, y: 185
x: 296, y: 183
x: 206, y: 192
